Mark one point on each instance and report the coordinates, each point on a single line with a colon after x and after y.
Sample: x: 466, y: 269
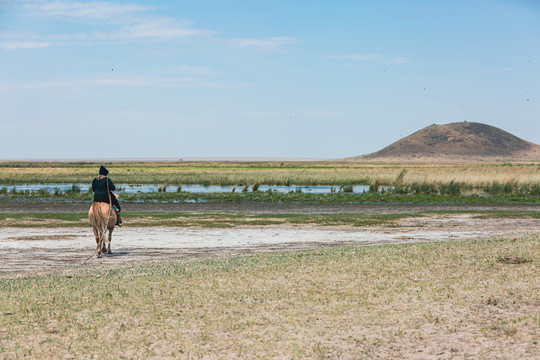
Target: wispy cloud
x: 371, y: 57
x: 143, y: 81
x: 112, y: 22
x: 184, y: 70
x: 357, y: 57
x: 397, y: 60
x: 93, y: 10
x: 16, y: 45
x: 503, y: 69
x: 159, y: 28
x: 271, y: 44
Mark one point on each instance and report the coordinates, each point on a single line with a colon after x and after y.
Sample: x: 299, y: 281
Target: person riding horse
x: 102, y: 187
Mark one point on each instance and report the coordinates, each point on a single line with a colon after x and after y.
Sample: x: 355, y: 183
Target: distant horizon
x: 168, y: 159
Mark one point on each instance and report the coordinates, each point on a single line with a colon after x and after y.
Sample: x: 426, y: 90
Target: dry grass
x: 436, y: 300
x: 474, y: 175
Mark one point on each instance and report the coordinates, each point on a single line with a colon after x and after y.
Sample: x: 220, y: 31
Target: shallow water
x: 193, y: 188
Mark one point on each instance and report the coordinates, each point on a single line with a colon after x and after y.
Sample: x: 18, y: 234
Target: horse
x: 102, y: 218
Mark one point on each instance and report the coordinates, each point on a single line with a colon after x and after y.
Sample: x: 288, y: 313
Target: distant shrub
x: 452, y: 188
x: 535, y: 189
x: 423, y: 188
x: 374, y: 187
x: 400, y: 177
x: 43, y: 192
x: 508, y: 188
x: 74, y: 189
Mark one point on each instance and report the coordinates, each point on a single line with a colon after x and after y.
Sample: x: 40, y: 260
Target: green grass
x: 232, y: 219
x: 357, y: 302
x: 276, y: 197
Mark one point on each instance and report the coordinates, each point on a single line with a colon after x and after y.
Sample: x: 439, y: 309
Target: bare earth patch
x: 41, y: 249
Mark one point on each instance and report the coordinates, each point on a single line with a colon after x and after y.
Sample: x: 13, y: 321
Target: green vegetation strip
x: 232, y: 219
x: 275, y: 197
x: 208, y: 220
x: 373, y: 302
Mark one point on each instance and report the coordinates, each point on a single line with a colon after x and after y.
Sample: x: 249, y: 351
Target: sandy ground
x: 25, y: 250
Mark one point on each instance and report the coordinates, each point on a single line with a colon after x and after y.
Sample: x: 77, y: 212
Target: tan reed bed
x: 470, y: 175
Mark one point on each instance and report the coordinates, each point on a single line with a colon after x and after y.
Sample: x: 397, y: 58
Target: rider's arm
x: 111, y: 185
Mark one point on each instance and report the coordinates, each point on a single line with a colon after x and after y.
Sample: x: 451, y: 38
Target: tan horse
x: 102, y: 218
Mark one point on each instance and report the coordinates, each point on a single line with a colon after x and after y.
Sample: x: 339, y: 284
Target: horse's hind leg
x: 98, y: 250
x: 109, y: 244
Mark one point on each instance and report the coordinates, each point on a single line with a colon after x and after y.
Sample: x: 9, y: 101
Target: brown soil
x: 465, y: 141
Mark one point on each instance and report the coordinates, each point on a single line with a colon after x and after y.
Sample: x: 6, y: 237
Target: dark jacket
x: 99, y: 187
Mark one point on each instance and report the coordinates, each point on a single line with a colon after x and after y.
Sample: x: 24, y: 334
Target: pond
x: 193, y: 188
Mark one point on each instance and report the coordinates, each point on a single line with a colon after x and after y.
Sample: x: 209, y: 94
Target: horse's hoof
x: 109, y: 252
x: 99, y: 256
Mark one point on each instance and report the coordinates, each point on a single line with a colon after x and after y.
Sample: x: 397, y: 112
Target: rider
x: 102, y: 187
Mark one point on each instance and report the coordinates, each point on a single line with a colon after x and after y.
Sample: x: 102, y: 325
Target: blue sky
x: 291, y: 78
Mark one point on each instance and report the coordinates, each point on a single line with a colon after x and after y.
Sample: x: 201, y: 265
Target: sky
x: 266, y: 78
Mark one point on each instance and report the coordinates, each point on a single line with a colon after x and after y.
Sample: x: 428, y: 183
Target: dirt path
x: 42, y: 249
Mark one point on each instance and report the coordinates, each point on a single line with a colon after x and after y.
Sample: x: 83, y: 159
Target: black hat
x: 103, y: 171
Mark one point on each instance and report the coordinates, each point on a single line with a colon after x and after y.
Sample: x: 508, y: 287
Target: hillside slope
x: 464, y: 141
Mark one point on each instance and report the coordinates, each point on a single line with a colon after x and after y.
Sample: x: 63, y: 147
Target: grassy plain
x: 464, y: 299
x: 469, y: 175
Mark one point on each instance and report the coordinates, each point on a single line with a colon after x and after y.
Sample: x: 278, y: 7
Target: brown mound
x: 464, y: 141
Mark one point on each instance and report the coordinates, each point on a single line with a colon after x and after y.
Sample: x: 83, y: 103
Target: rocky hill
x: 464, y: 141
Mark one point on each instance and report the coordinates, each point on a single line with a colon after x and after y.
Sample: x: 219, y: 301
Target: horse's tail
x: 100, y: 221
